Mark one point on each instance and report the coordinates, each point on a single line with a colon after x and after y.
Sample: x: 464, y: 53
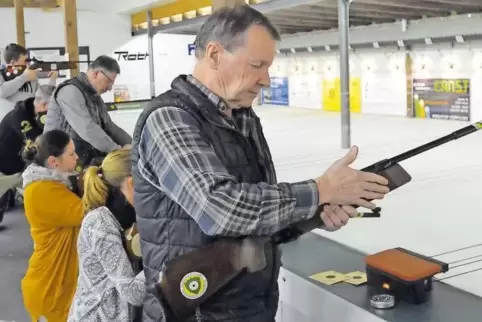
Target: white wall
x: 118, y: 6
x: 103, y: 32
x: 383, y: 75
x: 171, y: 58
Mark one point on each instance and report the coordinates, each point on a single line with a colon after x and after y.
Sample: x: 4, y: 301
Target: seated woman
x: 54, y: 214
x: 108, y: 287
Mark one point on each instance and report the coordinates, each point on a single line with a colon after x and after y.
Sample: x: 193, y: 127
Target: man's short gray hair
x: 106, y: 64
x: 43, y: 93
x: 228, y: 26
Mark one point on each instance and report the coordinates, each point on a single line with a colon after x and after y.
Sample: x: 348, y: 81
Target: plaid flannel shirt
x: 176, y: 159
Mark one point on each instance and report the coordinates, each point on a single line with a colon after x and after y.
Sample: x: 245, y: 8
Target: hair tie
x: 100, y: 172
x: 30, y: 144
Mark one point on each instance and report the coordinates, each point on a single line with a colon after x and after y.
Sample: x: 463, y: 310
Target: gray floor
x: 15, y: 250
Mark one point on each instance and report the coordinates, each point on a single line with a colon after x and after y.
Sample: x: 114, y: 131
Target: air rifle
x: 10, y: 72
x: 189, y: 280
x: 390, y: 169
x: 48, y: 66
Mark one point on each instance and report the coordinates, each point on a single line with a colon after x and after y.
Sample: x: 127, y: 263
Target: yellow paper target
x: 194, y: 285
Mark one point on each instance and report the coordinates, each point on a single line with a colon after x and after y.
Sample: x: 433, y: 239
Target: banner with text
x: 277, y: 93
x: 446, y: 99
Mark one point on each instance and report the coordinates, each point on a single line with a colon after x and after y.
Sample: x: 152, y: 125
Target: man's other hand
x: 335, y: 217
x: 342, y: 185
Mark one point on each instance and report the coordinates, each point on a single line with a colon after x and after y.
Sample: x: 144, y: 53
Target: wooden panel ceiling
x: 31, y: 3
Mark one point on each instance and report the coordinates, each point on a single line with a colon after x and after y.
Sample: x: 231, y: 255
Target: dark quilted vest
x: 167, y: 231
x: 84, y: 150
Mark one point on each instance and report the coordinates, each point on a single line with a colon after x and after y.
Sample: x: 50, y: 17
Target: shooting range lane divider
x: 390, y: 169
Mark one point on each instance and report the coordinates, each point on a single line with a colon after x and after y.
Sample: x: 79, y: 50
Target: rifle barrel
x: 435, y: 143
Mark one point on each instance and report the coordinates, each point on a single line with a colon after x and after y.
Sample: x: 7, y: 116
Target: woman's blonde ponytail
x: 98, y: 180
x: 96, y: 190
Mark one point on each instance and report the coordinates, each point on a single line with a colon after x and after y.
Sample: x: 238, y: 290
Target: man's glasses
x: 106, y: 76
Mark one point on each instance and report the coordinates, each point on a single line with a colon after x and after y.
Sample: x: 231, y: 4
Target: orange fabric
x: 54, y: 214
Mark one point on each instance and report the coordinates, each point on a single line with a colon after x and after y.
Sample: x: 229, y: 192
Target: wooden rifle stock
x: 190, y: 280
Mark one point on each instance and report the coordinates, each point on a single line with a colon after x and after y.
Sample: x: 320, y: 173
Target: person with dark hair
x: 19, y: 127
x: 17, y: 82
x: 77, y: 108
x: 54, y: 214
x: 203, y: 172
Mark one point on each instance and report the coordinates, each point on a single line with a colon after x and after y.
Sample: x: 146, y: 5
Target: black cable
x: 457, y: 250
x: 465, y: 273
x: 463, y: 260
x: 469, y: 263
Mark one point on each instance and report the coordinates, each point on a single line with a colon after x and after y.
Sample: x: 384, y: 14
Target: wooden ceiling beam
x: 47, y: 4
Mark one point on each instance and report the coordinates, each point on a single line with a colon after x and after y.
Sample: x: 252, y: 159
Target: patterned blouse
x: 107, y: 288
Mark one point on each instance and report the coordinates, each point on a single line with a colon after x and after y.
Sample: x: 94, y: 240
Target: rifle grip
x: 191, y: 279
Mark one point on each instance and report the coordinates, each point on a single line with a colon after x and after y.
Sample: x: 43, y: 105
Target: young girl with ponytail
x: 108, y: 287
x: 54, y: 213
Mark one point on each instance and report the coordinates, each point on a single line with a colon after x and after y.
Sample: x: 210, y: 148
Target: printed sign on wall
x: 332, y: 95
x: 191, y: 48
x: 277, y: 93
x: 447, y: 99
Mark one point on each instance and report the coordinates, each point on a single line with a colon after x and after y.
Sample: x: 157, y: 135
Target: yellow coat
x: 55, y: 215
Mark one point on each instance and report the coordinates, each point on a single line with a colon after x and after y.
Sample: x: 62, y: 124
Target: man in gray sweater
x: 77, y: 108
x: 17, y: 82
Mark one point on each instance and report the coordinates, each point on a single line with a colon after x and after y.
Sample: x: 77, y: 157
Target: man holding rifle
x: 204, y: 175
x: 17, y: 81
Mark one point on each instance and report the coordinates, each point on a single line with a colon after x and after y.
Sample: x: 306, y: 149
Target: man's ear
x: 213, y: 54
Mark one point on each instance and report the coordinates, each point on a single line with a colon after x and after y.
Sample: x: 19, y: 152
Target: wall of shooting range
x: 102, y: 32
x: 445, y: 79
x: 173, y: 55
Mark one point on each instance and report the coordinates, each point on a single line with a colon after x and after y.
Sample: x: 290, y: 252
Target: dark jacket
x: 167, y: 231
x: 18, y: 126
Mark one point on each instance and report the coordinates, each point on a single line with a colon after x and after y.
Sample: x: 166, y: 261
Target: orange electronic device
x: 403, y: 274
